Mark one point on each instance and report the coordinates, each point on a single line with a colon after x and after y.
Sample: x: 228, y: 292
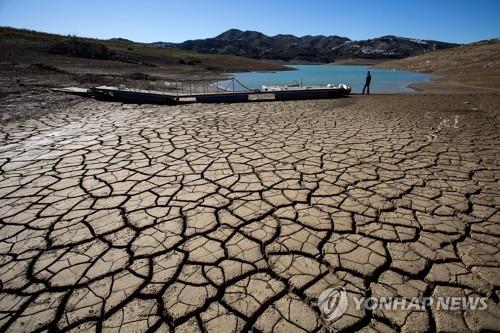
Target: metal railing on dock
x: 185, y: 88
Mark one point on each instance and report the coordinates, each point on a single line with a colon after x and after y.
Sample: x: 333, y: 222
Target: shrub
x: 82, y: 49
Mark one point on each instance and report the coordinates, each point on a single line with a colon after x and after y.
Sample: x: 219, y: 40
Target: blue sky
x: 461, y: 21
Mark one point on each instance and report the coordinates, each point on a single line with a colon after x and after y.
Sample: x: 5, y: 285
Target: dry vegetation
x: 114, y: 57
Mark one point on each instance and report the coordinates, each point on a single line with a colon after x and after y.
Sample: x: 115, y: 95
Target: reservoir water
x: 383, y: 80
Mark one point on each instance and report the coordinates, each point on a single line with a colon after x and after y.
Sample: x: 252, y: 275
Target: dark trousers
x: 367, y: 87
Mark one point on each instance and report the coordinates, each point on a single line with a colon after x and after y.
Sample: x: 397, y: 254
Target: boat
x: 286, y: 93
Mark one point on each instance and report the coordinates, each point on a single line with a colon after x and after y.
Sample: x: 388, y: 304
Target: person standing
x: 368, y: 80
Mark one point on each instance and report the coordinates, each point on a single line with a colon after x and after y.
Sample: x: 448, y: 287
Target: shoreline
x: 444, y: 85
x: 470, y: 68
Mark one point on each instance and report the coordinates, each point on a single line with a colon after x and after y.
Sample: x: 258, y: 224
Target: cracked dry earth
x: 236, y: 217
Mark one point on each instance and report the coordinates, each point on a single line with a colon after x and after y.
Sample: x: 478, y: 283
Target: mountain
x: 254, y: 44
x: 386, y: 47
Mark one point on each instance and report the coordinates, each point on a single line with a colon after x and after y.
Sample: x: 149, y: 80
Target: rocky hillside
x: 254, y: 44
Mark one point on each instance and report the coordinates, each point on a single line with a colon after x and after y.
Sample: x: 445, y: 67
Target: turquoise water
x: 383, y: 80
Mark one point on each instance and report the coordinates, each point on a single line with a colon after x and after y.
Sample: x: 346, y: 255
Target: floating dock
x: 214, y: 94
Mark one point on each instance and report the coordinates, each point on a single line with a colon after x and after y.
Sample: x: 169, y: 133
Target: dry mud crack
x: 236, y: 217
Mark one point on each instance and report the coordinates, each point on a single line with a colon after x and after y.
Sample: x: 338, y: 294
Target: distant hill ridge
x: 319, y: 48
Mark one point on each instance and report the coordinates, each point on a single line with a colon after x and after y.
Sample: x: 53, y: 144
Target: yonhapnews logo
x: 332, y: 303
